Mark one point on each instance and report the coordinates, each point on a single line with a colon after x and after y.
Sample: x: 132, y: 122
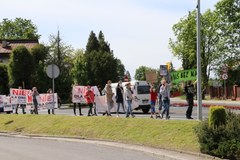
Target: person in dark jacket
x: 189, y: 91
x: 119, y: 97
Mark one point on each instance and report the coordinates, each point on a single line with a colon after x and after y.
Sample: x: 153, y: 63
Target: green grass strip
x: 168, y: 134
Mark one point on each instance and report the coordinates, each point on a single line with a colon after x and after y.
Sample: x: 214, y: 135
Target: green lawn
x: 168, y: 134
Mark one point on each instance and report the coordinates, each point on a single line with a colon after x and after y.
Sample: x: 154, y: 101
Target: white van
x: 141, y: 93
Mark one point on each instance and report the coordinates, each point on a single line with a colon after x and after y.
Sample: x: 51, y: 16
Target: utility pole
x: 199, y: 90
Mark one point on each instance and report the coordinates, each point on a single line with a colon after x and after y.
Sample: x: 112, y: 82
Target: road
x: 175, y: 112
x: 14, y: 148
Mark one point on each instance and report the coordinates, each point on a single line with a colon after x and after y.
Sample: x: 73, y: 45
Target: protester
x: 189, y: 91
x: 35, y: 95
x: 49, y: 91
x: 109, y: 96
x: 119, y: 97
x: 129, y: 98
x: 153, y: 98
x: 89, y: 96
x: 20, y: 105
x: 160, y: 103
x: 77, y: 104
x: 165, y: 92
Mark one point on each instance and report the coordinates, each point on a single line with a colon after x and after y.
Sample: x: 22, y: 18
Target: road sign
x: 224, y: 76
x: 52, y: 71
x: 225, y: 68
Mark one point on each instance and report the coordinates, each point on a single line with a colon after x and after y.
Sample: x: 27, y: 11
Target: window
x: 143, y: 89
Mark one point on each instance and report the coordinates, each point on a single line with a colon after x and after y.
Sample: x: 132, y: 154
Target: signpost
x: 225, y: 77
x: 52, y: 72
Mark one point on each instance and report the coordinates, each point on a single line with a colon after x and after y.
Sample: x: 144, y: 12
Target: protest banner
x: 20, y: 96
x: 7, y: 104
x: 184, y: 75
x: 151, y: 76
x: 79, y: 91
x: 2, y: 99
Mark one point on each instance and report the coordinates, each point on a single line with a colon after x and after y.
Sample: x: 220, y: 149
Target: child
x: 153, y: 98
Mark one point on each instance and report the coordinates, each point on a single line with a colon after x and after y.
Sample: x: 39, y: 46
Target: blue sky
x: 137, y: 30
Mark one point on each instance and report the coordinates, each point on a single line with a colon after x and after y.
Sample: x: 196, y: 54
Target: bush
x: 222, y: 141
x: 217, y: 116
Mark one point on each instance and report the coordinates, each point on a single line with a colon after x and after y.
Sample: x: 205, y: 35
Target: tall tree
x: 185, y: 44
x: 18, y: 29
x: 20, y: 68
x: 61, y: 54
x: 92, y: 44
x: 40, y: 79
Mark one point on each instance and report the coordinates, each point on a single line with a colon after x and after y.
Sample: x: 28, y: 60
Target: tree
x: 185, y: 45
x: 18, y: 29
x: 97, y: 64
x: 140, y: 73
x: 20, y: 68
x: 92, y: 44
x: 61, y: 54
x: 40, y: 79
x: 228, y: 12
x: 79, y: 72
x: 4, y: 89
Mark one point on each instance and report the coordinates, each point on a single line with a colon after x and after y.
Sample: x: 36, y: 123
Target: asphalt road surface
x: 14, y: 148
x: 175, y: 112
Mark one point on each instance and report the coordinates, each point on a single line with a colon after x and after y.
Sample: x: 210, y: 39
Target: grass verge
x: 168, y: 134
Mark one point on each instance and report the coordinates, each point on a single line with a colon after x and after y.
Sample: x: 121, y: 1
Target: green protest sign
x: 185, y: 75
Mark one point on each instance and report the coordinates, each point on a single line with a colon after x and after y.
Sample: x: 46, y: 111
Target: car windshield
x: 143, y: 89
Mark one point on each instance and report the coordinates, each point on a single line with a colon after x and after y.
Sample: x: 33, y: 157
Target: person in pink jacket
x: 89, y: 96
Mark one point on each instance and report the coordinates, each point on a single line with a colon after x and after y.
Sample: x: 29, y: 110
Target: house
x: 7, y: 46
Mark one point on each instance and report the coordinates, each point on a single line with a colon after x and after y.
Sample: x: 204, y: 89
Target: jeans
x: 119, y: 107
x: 166, y: 105
x: 129, y: 109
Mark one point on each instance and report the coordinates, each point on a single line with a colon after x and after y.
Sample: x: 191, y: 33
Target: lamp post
x: 199, y: 90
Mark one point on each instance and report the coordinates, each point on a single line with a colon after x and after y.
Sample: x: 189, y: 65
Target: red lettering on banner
x: 15, y: 92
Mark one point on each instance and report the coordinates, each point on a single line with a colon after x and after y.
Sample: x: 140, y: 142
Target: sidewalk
x: 229, y: 104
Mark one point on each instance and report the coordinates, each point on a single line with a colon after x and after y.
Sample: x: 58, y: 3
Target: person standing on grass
x: 129, y: 98
x: 35, y: 95
x: 165, y: 92
x: 89, y: 96
x: 109, y: 96
x: 189, y: 91
x: 119, y: 97
x: 153, y: 98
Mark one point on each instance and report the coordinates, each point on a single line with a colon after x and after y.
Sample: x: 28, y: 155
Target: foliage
x: 140, y: 73
x: 97, y: 64
x: 20, y: 68
x: 40, y: 79
x: 222, y: 141
x: 18, y: 29
x: 61, y: 54
x: 4, y: 89
x: 217, y: 116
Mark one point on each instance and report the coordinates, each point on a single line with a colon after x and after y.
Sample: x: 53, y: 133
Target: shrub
x: 222, y: 141
x: 217, y: 116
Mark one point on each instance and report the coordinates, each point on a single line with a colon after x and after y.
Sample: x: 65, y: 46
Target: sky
x: 138, y: 30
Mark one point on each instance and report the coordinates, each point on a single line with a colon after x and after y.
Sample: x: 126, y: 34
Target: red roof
x: 11, y: 44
